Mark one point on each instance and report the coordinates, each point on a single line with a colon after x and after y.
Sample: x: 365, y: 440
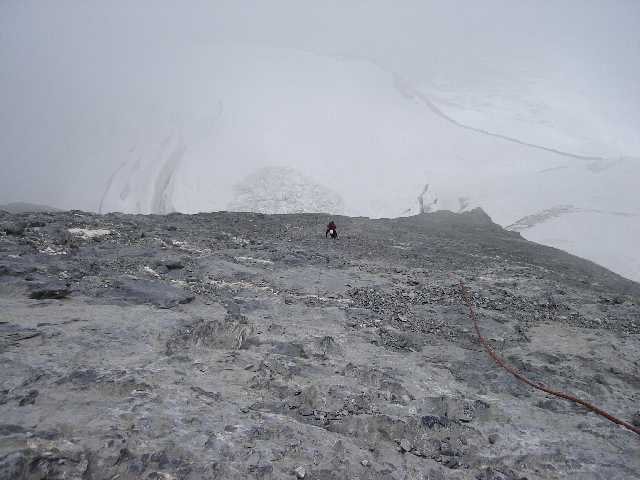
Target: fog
x: 97, y: 97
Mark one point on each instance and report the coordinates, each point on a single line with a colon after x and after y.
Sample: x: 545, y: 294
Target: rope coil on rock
x: 500, y: 361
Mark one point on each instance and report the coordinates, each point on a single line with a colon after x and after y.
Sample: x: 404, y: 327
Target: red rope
x: 500, y: 361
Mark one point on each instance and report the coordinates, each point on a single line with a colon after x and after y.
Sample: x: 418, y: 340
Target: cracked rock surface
x: 234, y: 346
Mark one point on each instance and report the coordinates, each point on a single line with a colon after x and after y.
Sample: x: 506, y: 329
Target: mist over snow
x: 283, y: 190
x: 529, y: 110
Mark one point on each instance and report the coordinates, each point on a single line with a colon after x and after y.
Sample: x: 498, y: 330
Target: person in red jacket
x: 331, y: 230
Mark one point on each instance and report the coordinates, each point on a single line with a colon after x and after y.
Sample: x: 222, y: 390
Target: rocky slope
x: 236, y: 346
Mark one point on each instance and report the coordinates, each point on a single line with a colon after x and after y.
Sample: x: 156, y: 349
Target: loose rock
x: 405, y: 445
x: 54, y: 289
x: 227, y: 358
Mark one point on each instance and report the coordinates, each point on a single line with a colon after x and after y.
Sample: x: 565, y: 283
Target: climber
x: 331, y: 230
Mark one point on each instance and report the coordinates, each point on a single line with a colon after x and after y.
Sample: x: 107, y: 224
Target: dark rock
x: 171, y: 263
x: 635, y: 419
x: 293, y: 260
x: 161, y: 459
x: 11, y: 334
x: 10, y: 429
x: 17, y: 266
x: 29, y: 398
x: 405, y: 445
x: 452, y: 462
x: 136, y: 466
x: 431, y: 421
x: 161, y: 269
x: 400, y: 340
x: 292, y: 349
x: 261, y: 470
x: 13, y: 228
x: 447, y: 450
x: 206, y: 393
x: 13, y: 466
x: 495, y: 474
x: 47, y: 434
x: 83, y: 377
x: 53, y: 289
x: 550, y: 404
x: 156, y: 476
x: 465, y: 417
x: 328, y: 345
x: 435, y: 475
x: 174, y: 264
x: 615, y: 300
x: 141, y: 291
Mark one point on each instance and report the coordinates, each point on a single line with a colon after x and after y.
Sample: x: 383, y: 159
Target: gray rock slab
x: 274, y: 353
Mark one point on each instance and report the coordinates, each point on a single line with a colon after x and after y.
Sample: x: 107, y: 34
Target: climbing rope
x: 500, y: 361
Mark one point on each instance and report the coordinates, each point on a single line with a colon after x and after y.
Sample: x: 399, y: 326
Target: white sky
x: 76, y: 74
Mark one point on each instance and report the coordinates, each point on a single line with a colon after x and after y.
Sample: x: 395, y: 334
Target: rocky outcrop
x: 234, y: 346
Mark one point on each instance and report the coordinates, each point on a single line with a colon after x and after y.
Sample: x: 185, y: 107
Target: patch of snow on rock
x: 283, y: 190
x: 88, y: 234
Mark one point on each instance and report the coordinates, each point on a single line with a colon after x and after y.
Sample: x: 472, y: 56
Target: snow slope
x: 536, y: 112
x: 377, y: 140
x: 283, y: 190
